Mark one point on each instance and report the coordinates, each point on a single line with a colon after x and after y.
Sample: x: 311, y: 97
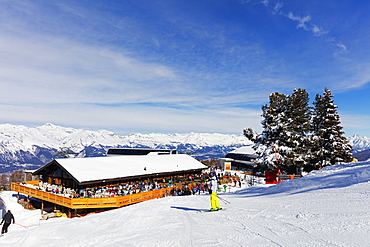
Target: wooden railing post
x: 42, y: 207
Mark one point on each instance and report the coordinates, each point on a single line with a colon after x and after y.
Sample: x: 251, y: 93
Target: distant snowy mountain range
x: 22, y: 147
x: 359, y: 143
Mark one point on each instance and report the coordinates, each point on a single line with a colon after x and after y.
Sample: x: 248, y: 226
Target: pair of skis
x: 221, y: 199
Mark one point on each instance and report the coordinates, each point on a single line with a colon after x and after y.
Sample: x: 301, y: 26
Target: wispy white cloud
x: 305, y: 23
x: 277, y: 8
x: 353, y: 123
x: 40, y: 66
x: 176, y: 74
x: 356, y: 76
x: 127, y: 119
x: 318, y: 31
x: 42, y: 76
x: 265, y: 2
x: 301, y: 20
x: 342, y: 49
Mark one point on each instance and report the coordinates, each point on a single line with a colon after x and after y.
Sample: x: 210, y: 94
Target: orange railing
x: 81, y: 203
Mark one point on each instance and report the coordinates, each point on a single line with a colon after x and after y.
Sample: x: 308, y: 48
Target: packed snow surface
x: 329, y: 207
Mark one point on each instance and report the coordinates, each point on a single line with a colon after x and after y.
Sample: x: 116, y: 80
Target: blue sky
x: 179, y: 66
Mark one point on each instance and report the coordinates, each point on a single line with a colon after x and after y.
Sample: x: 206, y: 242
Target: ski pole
x: 222, y: 199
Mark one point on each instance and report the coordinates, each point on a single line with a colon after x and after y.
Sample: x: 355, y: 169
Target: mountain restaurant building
x: 64, y: 181
x: 240, y: 159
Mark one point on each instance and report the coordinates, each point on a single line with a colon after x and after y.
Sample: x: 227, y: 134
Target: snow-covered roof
x: 29, y: 171
x: 100, y: 168
x: 244, y: 150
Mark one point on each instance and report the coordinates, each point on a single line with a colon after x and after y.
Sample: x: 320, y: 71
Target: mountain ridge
x: 24, y: 147
x: 30, y: 147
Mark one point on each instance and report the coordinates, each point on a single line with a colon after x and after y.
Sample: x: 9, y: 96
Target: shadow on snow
x: 190, y: 209
x: 338, y: 176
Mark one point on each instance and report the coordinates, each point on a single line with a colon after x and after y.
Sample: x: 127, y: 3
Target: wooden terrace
x: 92, y: 203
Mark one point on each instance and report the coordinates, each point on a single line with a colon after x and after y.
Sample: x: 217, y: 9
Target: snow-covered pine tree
x: 270, y: 144
x: 298, y: 125
x: 329, y: 146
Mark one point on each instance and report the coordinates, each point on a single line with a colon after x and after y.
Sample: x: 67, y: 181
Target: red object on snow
x: 271, y: 178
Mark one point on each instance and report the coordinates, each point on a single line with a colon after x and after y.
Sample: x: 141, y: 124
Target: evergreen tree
x: 296, y: 135
x: 328, y: 145
x: 270, y: 145
x: 298, y: 124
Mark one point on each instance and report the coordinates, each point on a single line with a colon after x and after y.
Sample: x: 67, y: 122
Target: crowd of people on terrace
x: 52, y: 188
x: 192, y: 184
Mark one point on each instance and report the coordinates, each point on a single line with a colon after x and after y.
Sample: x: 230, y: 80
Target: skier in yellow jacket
x: 215, y: 205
